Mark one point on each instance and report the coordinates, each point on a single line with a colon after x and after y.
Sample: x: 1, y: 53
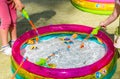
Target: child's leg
x: 13, y: 31
x: 5, y: 22
x: 4, y: 36
x: 13, y: 35
x: 4, y: 27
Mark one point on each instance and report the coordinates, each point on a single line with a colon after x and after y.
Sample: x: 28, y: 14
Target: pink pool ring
x: 103, y: 7
x: 29, y: 70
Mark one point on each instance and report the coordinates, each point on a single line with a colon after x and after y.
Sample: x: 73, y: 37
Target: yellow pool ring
x: 94, y: 7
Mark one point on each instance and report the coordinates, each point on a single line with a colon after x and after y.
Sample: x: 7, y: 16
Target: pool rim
x: 63, y: 73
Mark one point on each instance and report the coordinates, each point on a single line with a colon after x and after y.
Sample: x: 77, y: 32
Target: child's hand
x: 11, y: 2
x: 102, y: 24
x: 18, y: 5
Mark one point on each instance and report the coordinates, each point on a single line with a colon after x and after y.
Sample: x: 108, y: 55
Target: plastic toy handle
x: 25, y: 14
x: 95, y: 30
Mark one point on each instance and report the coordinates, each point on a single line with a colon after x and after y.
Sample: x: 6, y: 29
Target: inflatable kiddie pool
x: 103, y: 68
x: 104, y: 7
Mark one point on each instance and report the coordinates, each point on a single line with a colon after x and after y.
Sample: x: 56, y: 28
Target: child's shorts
x: 8, y: 15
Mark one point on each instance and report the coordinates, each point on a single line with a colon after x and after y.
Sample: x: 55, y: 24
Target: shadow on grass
x: 23, y: 25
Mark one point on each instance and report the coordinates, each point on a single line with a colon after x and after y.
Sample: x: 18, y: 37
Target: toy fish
x: 74, y: 36
x: 30, y: 41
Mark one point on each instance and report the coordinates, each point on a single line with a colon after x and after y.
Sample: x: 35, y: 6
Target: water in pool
x: 62, y: 51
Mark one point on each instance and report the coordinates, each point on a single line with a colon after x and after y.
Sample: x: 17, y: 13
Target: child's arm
x: 112, y: 17
x: 18, y: 5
